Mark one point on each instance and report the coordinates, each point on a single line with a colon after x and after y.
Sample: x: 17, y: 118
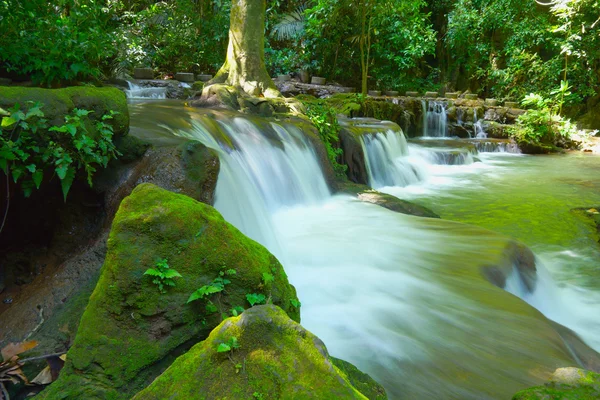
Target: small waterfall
x: 443, y: 156
x: 436, y: 119
x: 138, y: 92
x: 424, y: 116
x: 387, y: 161
x: 480, y: 133
x: 272, y: 164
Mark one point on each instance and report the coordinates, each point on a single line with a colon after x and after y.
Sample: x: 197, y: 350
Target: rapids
x: 401, y: 297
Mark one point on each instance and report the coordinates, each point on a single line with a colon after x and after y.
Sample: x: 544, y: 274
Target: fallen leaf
x: 13, y: 349
x: 50, y: 373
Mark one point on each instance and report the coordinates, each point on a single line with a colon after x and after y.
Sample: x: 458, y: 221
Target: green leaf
x: 267, y: 277
x: 7, y: 121
x: 153, y: 272
x: 31, y: 168
x: 37, y: 177
x: 171, y: 273
x: 61, y: 171
x: 255, y: 298
x: 223, y: 348
x: 67, y: 181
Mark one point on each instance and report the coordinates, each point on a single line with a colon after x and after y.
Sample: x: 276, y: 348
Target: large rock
x: 130, y: 331
x: 57, y: 103
x: 565, y: 383
x: 276, y: 359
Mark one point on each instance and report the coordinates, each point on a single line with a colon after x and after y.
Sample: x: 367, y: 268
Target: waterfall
x: 271, y: 165
x: 424, y: 116
x: 436, y: 123
x: 403, y: 298
x: 138, y: 92
x: 387, y: 162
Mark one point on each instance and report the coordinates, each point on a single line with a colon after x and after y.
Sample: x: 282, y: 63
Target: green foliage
x: 230, y: 345
x: 542, y: 125
x: 162, y: 275
x: 55, y: 42
x: 395, y: 38
x: 237, y: 310
x: 267, y: 277
x: 510, y: 47
x: 185, y: 35
x: 216, y: 286
x: 28, y: 147
x: 324, y: 117
x: 295, y: 303
x: 256, y: 298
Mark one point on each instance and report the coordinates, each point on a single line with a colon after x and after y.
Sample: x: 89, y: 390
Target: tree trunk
x: 244, y: 66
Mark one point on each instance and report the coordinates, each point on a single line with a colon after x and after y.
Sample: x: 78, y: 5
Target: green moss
x: 60, y: 102
x: 277, y: 358
x: 128, y: 326
x: 565, y: 384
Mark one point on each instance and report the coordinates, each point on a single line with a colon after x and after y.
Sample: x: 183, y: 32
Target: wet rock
x: 565, y: 383
x: 129, y: 327
x: 275, y: 358
x: 395, y: 204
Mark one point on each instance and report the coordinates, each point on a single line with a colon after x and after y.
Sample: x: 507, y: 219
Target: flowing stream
x: 401, y: 297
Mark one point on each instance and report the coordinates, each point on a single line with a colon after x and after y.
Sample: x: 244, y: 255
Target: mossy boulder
x: 565, y: 384
x: 57, y: 103
x: 130, y: 331
x: 276, y: 359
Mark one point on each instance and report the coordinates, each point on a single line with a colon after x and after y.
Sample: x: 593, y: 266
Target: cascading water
x: 138, y: 92
x: 436, y: 124
x: 387, y: 161
x: 401, y: 297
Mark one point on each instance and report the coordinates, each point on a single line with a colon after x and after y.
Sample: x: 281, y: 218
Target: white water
x: 387, y: 160
x: 436, y: 124
x: 400, y: 297
x: 139, y: 92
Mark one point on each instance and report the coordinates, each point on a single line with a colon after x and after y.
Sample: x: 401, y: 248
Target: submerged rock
x: 130, y: 331
x: 395, y: 204
x: 565, y: 383
x: 276, y: 358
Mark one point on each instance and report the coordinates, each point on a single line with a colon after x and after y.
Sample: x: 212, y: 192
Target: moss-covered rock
x: 276, y: 359
x: 395, y: 204
x: 130, y: 331
x: 57, y: 103
x: 565, y: 384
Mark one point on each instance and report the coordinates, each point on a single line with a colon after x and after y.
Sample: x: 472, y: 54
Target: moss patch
x: 565, y: 384
x: 277, y: 359
x: 128, y: 325
x: 60, y: 102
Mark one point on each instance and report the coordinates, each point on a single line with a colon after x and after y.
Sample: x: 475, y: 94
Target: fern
x: 163, y: 275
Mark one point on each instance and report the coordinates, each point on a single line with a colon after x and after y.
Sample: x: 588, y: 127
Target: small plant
x: 258, y: 396
x: 237, y: 310
x: 28, y: 146
x: 267, y: 277
x: 229, y: 346
x: 162, y: 275
x: 295, y: 303
x: 256, y: 298
x: 216, y: 286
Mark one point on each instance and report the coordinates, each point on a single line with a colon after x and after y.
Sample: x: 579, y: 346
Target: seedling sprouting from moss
x: 229, y: 346
x: 216, y: 286
x: 162, y: 275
